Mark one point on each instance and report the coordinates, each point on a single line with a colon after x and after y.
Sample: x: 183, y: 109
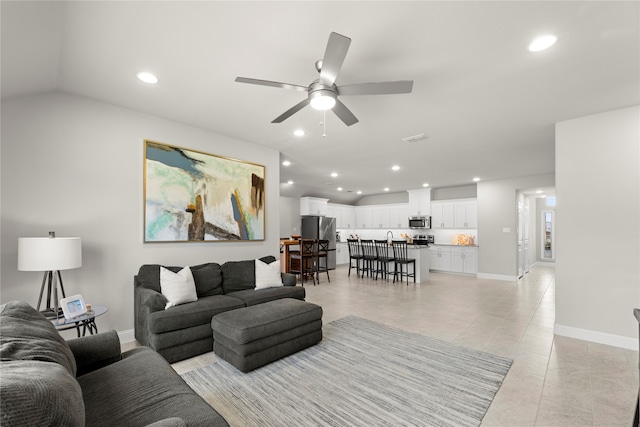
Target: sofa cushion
x: 241, y: 275
x: 25, y: 334
x: 142, y: 389
x: 259, y: 296
x: 178, y: 288
x: 208, y: 277
x: 37, y: 393
x: 193, y: 314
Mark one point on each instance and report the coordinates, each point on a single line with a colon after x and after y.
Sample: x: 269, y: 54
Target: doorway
x: 547, y: 229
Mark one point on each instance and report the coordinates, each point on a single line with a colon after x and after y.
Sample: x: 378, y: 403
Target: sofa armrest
x: 288, y: 279
x: 169, y: 422
x: 95, y: 351
x: 145, y: 302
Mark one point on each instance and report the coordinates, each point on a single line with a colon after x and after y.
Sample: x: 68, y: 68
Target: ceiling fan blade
x: 334, y: 55
x: 270, y: 83
x: 344, y: 113
x: 291, y: 111
x: 381, y: 88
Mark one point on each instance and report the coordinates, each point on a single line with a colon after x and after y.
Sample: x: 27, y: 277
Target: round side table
x: 87, y: 321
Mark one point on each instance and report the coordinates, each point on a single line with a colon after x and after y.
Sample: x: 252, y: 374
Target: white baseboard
x: 597, y: 337
x: 497, y: 277
x: 127, y: 336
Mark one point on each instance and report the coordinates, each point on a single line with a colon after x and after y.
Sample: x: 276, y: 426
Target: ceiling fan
x: 323, y: 93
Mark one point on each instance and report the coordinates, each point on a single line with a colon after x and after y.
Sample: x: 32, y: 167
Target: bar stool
x: 321, y: 255
x: 355, y: 254
x: 369, y: 257
x: 400, y: 255
x: 382, y: 258
x: 306, y: 259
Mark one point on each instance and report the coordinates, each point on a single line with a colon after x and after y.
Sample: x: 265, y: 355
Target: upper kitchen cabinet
x: 345, y: 215
x: 419, y: 202
x: 454, y: 214
x: 398, y: 216
x: 364, y: 217
x: 465, y: 214
x: 313, y: 206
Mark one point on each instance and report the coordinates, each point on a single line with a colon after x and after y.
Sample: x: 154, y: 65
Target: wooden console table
x: 284, y: 256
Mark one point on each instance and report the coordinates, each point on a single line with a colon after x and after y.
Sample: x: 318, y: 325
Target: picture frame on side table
x: 191, y: 196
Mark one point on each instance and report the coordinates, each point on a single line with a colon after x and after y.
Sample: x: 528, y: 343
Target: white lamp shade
x: 49, y: 254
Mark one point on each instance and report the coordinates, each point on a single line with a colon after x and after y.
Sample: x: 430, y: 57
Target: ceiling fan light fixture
x: 322, y: 99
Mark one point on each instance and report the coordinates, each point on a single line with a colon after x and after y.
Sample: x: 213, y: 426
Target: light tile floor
x: 554, y: 381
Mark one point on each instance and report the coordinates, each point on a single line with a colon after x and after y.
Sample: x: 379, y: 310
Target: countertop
x: 449, y: 244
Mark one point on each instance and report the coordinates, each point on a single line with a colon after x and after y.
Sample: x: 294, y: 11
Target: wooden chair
x: 382, y: 258
x: 322, y: 264
x: 355, y: 254
x: 401, y: 259
x: 369, y: 258
x: 304, y: 261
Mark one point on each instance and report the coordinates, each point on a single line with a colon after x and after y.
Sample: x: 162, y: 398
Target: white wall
x: 598, y: 233
x: 74, y: 166
x: 289, y: 216
x: 497, y: 211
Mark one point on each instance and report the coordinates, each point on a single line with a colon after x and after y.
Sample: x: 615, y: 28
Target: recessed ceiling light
x: 147, y: 77
x: 476, y: 179
x: 334, y: 174
x: 386, y: 188
x: 425, y: 184
x: 286, y: 163
x: 395, y: 168
x: 289, y: 182
x: 542, y: 43
x: 543, y: 196
x: 358, y: 192
x: 539, y: 192
x: 299, y: 132
x: 339, y: 188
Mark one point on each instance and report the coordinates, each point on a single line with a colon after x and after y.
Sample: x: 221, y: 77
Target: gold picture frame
x: 192, y: 196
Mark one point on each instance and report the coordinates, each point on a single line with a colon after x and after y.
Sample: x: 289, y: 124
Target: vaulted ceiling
x: 487, y: 104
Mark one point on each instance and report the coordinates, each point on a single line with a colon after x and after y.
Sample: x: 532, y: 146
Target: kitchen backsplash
x: 443, y: 237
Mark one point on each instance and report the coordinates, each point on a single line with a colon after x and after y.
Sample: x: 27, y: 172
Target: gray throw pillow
x: 208, y: 278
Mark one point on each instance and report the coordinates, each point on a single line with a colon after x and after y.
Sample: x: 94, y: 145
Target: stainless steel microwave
x: 419, y: 222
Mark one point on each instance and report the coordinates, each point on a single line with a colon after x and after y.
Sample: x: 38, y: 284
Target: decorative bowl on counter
x: 296, y: 236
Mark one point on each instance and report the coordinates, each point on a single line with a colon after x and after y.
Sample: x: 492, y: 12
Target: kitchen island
x: 421, y: 255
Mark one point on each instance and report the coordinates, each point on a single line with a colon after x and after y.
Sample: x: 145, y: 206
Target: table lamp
x: 50, y: 254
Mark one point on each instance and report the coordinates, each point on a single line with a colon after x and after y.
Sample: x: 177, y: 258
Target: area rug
x: 362, y: 373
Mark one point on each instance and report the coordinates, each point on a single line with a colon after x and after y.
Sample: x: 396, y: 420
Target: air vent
x: 415, y: 138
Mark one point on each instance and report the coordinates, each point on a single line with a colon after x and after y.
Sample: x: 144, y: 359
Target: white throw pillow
x: 178, y: 288
x: 268, y: 275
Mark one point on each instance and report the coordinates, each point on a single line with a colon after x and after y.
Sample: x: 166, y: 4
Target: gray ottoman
x: 254, y: 336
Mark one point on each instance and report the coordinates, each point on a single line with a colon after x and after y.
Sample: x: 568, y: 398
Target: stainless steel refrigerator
x: 321, y: 228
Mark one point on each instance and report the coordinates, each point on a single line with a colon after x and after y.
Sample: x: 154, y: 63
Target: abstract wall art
x: 191, y: 196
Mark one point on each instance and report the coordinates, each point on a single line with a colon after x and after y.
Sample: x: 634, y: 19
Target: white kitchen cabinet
x: 342, y: 254
x: 454, y: 214
x: 465, y: 214
x: 419, y: 202
x: 313, y: 206
x: 335, y: 211
x: 399, y: 216
x: 364, y: 217
x: 464, y: 260
x: 348, y: 216
x: 442, y: 215
x: 440, y: 258
x: 380, y: 217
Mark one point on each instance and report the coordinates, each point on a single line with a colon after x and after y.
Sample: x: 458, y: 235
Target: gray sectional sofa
x: 184, y: 331
x: 47, y: 381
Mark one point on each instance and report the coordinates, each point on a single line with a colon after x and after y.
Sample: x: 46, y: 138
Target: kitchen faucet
x: 388, y: 235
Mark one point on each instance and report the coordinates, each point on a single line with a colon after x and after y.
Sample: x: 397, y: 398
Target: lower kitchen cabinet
x: 440, y: 258
x: 342, y: 253
x: 454, y: 259
x: 464, y: 260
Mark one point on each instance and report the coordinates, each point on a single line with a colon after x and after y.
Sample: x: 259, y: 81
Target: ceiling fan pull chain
x: 324, y: 124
